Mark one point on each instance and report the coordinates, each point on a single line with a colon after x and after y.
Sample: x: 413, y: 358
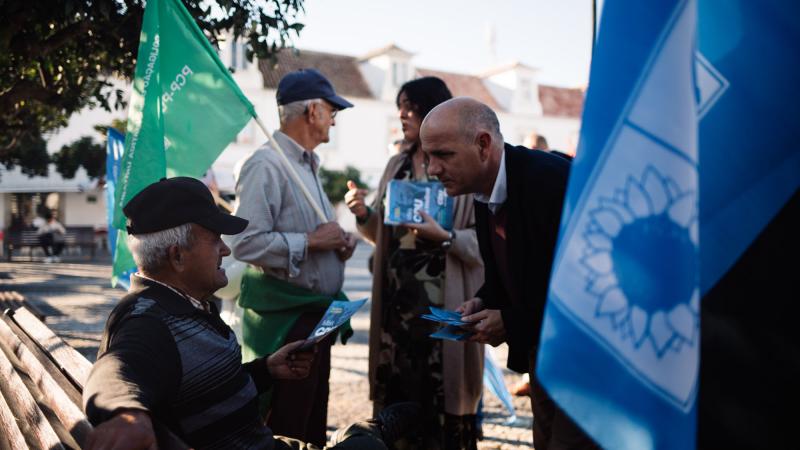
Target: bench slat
x: 67, y: 358
x: 56, y: 399
x: 39, y: 432
x: 8, y: 425
x: 13, y: 300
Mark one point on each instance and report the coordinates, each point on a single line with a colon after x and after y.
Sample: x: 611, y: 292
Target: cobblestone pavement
x: 76, y: 298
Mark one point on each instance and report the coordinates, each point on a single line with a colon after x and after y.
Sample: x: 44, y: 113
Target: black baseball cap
x: 171, y: 202
x: 305, y: 84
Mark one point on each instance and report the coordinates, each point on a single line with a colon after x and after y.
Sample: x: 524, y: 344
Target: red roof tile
x: 464, y: 85
x: 561, y: 102
x: 341, y: 70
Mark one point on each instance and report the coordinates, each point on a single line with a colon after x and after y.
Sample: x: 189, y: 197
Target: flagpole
x: 292, y: 173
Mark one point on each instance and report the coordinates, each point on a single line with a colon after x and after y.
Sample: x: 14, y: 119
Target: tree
x: 334, y: 182
x: 83, y: 152
x: 57, y: 58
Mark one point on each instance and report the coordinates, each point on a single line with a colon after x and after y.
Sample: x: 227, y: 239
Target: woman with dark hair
x: 416, y: 267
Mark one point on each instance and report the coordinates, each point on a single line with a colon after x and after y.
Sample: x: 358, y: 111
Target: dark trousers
x: 358, y: 436
x: 552, y: 428
x: 299, y: 408
x: 48, y: 242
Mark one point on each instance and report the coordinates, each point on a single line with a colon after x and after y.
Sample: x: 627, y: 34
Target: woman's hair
x: 424, y: 94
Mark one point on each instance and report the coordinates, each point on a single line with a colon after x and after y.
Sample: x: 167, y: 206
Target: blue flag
x: 115, y: 145
x: 686, y: 153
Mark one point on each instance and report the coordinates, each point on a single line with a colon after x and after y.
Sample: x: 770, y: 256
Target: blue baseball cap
x: 306, y: 84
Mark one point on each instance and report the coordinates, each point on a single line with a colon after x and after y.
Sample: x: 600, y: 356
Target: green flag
x: 185, y: 107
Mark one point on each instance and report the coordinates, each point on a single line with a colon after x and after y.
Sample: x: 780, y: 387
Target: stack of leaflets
x: 404, y: 200
x: 337, y: 314
x: 453, y: 323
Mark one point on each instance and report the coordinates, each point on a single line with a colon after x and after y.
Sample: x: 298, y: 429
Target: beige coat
x: 462, y: 362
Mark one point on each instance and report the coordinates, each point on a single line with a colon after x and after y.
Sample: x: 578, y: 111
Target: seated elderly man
x: 166, y: 356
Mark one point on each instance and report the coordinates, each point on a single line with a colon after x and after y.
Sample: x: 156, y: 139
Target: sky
x: 554, y: 36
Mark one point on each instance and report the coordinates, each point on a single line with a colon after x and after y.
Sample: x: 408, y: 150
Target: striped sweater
x: 161, y: 354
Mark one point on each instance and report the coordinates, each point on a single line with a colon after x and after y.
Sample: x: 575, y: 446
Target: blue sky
x: 554, y: 35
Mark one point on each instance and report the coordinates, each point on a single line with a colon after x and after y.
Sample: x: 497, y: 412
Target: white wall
x: 78, y: 211
x: 561, y: 132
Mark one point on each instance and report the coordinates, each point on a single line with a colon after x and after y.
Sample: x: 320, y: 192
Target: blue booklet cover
x: 335, y: 316
x: 452, y: 333
x: 404, y: 200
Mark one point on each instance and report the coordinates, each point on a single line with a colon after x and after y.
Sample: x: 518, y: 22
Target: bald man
x: 518, y: 199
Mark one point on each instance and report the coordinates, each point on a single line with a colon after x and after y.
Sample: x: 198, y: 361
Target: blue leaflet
x: 335, y: 316
x: 404, y: 200
x: 452, y: 333
x: 452, y: 321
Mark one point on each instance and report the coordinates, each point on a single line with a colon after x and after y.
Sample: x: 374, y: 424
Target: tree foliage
x: 57, y: 58
x: 83, y: 152
x: 334, y: 182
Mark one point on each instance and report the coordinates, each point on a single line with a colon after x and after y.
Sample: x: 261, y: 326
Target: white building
x: 362, y: 134
x: 79, y: 201
x: 360, y: 138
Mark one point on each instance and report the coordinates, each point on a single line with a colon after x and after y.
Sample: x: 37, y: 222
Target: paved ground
x: 76, y: 297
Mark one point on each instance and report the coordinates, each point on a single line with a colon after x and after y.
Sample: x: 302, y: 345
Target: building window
x: 398, y: 73
x: 525, y: 89
x: 238, y: 55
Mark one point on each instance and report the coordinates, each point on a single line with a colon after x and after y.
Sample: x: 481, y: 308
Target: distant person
x: 167, y: 357
x: 535, y: 141
x: 296, y: 260
x: 416, y: 267
x: 51, y: 237
x: 519, y: 196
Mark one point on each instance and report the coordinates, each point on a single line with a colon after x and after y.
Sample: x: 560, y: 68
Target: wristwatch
x: 447, y: 243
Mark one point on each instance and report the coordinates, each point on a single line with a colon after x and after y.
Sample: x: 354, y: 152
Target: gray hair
x: 293, y: 110
x: 150, y: 250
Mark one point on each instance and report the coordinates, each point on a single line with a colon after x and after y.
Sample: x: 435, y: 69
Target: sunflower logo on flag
x: 648, y: 300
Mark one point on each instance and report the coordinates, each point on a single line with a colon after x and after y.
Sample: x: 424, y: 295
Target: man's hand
x: 429, y: 229
x: 346, y: 252
x: 286, y: 365
x: 488, y: 327
x: 354, y: 199
x: 470, y: 306
x: 327, y: 236
x: 128, y: 430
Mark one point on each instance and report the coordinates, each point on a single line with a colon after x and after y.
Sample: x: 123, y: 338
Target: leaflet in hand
x: 444, y: 316
x: 337, y: 314
x: 452, y: 333
x: 453, y: 325
x: 405, y: 199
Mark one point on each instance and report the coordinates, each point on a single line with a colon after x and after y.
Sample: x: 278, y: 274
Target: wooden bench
x: 74, y: 237
x: 13, y: 300
x: 40, y: 388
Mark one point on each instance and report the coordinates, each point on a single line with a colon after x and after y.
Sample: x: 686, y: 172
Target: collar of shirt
x: 202, y: 306
x: 295, y: 151
x: 499, y: 192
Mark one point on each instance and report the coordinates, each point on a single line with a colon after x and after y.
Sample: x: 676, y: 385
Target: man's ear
x: 311, y: 113
x: 484, y: 142
x: 175, y: 258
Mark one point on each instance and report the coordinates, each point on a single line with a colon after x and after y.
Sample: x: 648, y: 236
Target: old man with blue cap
x: 296, y: 260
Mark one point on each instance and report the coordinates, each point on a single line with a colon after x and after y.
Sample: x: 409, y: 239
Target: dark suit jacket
x: 536, y: 182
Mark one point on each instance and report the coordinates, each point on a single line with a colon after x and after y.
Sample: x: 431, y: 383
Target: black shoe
x: 399, y: 420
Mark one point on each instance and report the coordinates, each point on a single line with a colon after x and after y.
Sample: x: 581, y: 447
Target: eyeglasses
x: 333, y: 110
